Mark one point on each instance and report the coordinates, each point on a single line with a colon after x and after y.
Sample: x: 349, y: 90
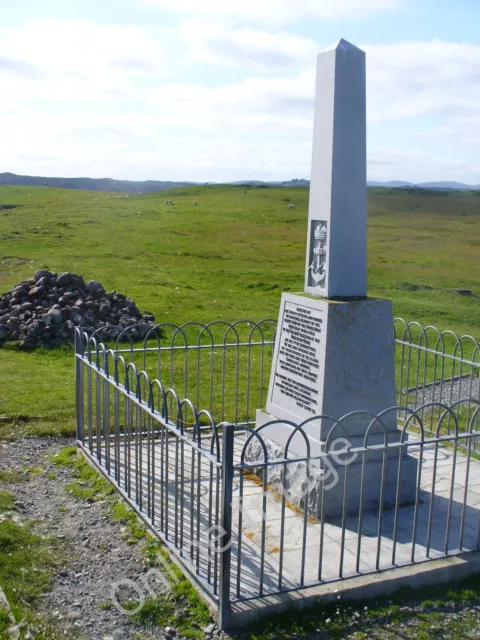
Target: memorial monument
x: 334, y: 349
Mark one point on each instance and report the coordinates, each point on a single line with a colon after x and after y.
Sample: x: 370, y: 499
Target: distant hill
x: 147, y: 186
x: 295, y: 182
x: 443, y: 186
x: 396, y: 184
x: 450, y: 186
x: 91, y: 184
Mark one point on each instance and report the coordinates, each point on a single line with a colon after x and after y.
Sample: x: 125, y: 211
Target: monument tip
x: 341, y: 45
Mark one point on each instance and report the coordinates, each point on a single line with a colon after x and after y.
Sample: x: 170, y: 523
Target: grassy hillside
x: 229, y: 258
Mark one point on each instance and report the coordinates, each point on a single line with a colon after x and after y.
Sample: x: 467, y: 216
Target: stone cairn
x: 44, y: 311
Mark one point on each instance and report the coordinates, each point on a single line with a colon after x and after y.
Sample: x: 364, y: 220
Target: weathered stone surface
x: 93, y: 286
x: 64, y: 279
x: 56, y: 315
x: 41, y: 274
x: 35, y: 291
x: 325, y: 480
x: 104, y: 309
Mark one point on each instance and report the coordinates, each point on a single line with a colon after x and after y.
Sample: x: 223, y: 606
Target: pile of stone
x: 45, y: 310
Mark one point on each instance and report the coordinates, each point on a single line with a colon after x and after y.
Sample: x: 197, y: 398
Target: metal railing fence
x: 435, y: 366
x: 223, y: 367
x: 248, y: 514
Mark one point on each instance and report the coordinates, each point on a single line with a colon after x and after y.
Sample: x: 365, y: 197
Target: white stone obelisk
x: 336, y: 262
x: 334, y: 352
x: 334, y: 348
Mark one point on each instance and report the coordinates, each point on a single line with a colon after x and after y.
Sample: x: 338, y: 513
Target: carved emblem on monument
x: 318, y: 267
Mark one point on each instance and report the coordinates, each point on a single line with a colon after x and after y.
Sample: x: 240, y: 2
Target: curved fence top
x: 436, y: 415
x: 189, y: 334
x: 193, y: 334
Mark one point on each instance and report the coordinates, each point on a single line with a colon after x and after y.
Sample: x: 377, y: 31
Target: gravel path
x: 98, y: 558
x: 448, y: 391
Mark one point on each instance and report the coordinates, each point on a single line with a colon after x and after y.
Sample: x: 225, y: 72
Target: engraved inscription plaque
x: 297, y: 366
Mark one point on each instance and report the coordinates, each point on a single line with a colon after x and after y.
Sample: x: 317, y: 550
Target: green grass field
x: 229, y: 258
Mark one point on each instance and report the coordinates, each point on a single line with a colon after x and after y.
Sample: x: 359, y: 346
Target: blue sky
x: 214, y: 90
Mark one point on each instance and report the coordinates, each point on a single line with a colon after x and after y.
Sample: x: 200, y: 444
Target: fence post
x: 79, y: 385
x: 226, y: 524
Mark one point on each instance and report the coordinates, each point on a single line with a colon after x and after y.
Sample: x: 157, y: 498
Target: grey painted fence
x: 246, y: 518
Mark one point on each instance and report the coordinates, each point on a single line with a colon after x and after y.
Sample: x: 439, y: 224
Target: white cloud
x: 416, y: 79
x: 430, y: 92
x: 78, y: 98
x: 19, y: 68
x: 414, y: 165
x: 79, y: 51
x: 252, y: 48
x: 275, y: 12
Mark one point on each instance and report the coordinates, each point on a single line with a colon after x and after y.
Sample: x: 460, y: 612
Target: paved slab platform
x: 276, y: 546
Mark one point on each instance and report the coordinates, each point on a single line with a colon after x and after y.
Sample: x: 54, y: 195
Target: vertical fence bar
x: 128, y: 440
x: 162, y: 479
x: 116, y: 408
x: 137, y: 436
x: 217, y: 522
x: 182, y: 492
x: 240, y: 533
x: 199, y: 487
x: 90, y: 407
x: 106, y: 421
x: 226, y: 523
x: 98, y: 414
x: 149, y: 465
x: 79, y: 390
x: 209, y: 530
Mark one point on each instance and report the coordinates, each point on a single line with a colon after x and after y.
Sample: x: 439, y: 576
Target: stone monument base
x: 327, y: 474
x: 333, y: 373
x: 332, y: 358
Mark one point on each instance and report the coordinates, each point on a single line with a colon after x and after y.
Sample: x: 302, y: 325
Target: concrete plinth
x: 327, y: 476
x: 331, y: 359
x: 280, y: 433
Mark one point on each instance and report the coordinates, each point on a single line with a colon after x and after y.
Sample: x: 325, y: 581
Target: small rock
x: 41, y: 274
x: 34, y: 291
x: 64, y: 279
x: 463, y: 292
x: 93, y: 286
x: 209, y: 629
x: 72, y: 615
x: 56, y: 315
